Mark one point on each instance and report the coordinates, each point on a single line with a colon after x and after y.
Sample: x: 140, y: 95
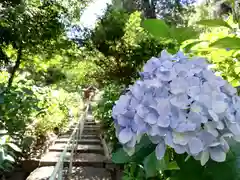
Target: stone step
x: 85, y: 128
x: 86, y: 132
x: 92, y: 126
x: 58, y: 147
x: 82, y: 141
x: 90, y: 136
x: 95, y: 127
x: 90, y: 130
x: 87, y: 173
x: 90, y: 123
x: 89, y: 117
x: 80, y: 159
x: 65, y: 135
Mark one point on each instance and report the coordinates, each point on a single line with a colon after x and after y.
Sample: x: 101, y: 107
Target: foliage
x: 176, y: 12
x: 220, y: 45
x: 34, y: 54
x: 7, y: 152
x: 121, y: 40
x: 83, y: 74
x: 103, y: 111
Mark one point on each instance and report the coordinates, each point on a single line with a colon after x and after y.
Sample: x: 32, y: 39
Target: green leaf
x: 1, y: 155
x: 3, y: 132
x: 237, y: 70
x: 235, y: 82
x: 184, y: 33
x: 190, y: 170
x: 230, y: 169
x: 189, y: 46
x: 142, y: 149
x: 27, y: 91
x: 173, y: 166
x: 14, y: 147
x: 152, y: 165
x: 9, y: 158
x: 158, y: 28
x: 227, y: 42
x: 1, y: 99
x: 227, y: 170
x: 214, y: 23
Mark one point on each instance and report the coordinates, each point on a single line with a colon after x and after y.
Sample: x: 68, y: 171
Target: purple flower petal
x: 125, y: 135
x: 160, y: 150
x: 195, y: 146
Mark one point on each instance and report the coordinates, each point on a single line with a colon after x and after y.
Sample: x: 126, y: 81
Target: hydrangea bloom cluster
x: 180, y: 103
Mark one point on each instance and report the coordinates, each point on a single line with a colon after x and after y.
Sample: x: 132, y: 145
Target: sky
x: 94, y: 10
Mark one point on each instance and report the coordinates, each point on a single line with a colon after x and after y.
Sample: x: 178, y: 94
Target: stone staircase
x: 89, y: 161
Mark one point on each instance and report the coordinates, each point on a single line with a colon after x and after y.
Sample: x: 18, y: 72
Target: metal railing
x: 72, y: 144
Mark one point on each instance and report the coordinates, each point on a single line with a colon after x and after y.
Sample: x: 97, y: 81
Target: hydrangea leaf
x: 192, y: 169
x: 214, y: 23
x: 227, y: 42
x: 158, y: 28
x: 142, y: 149
x: 152, y: 165
x: 230, y: 169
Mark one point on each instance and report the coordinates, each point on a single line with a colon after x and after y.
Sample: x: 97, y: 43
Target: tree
x: 174, y: 12
x: 32, y: 28
x: 123, y: 45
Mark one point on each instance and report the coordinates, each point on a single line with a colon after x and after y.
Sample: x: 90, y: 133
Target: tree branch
x: 15, y: 67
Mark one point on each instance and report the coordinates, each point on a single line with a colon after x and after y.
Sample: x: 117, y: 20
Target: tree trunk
x: 15, y: 67
x: 149, y: 9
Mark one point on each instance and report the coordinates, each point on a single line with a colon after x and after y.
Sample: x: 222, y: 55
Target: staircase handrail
x: 73, y: 141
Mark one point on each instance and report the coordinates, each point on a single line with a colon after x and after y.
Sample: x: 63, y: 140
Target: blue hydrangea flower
x: 179, y: 103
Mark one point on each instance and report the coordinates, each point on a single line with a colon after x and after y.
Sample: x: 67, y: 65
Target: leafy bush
x: 103, y: 111
x: 7, y: 152
x: 30, y: 113
x: 19, y: 103
x: 120, y: 42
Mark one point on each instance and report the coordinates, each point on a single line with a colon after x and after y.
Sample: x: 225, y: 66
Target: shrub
x: 103, y: 111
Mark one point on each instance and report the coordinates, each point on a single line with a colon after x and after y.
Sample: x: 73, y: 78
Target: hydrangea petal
x: 169, y: 139
x: 179, y: 149
x: 123, y: 120
x: 151, y: 118
x: 163, y: 107
x: 209, y: 127
x: 142, y: 111
x: 132, y: 142
x: 160, y: 150
x: 125, y: 135
x: 185, y: 126
x: 204, y: 157
x: 180, y: 138
x: 213, y: 115
x: 219, y: 107
x: 129, y: 150
x: 178, y: 85
x: 217, y: 154
x: 151, y: 65
x: 155, y: 139
x: 163, y: 121
x: 224, y: 144
x: 181, y: 101
x: 234, y: 128
x: 195, y: 146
